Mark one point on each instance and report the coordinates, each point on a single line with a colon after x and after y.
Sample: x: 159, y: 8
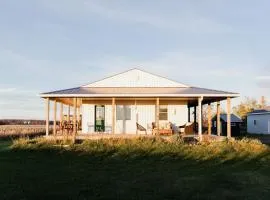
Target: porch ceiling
x: 191, y: 101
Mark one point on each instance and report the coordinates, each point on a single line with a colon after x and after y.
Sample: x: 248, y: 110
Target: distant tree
x: 246, y: 106
x: 263, y: 103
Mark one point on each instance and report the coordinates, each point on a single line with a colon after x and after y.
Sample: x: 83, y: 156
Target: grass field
x: 134, y: 169
x: 13, y: 131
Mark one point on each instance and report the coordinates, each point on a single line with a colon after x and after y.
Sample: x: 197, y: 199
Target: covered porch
x: 68, y: 115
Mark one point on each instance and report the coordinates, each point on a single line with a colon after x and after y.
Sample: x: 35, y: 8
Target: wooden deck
x: 98, y: 136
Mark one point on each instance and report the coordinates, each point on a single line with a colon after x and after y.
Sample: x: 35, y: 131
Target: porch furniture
x: 188, y: 129
x: 165, y: 129
x: 141, y: 128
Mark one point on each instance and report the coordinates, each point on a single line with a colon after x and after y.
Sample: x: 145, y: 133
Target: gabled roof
x: 137, y: 83
x: 260, y: 111
x: 135, y: 78
x: 234, y: 118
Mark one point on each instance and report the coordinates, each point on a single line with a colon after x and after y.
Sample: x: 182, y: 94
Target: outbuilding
x: 236, y: 123
x: 258, y: 122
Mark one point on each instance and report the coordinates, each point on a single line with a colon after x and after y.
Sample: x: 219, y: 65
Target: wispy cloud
x: 7, y: 90
x: 263, y: 81
x: 156, y: 17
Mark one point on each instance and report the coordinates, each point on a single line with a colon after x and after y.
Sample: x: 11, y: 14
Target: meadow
x: 142, y: 168
x: 13, y: 131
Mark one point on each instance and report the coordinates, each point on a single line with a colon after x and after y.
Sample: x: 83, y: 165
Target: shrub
x: 244, y: 149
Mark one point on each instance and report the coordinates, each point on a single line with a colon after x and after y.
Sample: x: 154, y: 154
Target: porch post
x: 68, y: 114
x: 68, y: 119
x: 157, y: 115
x: 195, y: 114
x: 218, y: 119
x: 188, y: 113
x: 209, y: 119
x: 79, y: 117
x: 113, y: 115
x: 200, y: 99
x: 54, y: 117
x: 61, y: 117
x: 47, y: 116
x: 74, y: 116
x: 228, y: 117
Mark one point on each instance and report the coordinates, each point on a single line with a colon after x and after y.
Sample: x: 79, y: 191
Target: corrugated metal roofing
x: 138, y: 91
x: 260, y: 111
x: 234, y: 118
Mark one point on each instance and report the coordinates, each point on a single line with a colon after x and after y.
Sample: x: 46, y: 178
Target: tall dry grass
x: 245, y: 149
x: 21, y: 130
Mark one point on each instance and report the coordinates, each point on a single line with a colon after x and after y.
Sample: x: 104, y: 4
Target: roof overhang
x: 263, y: 113
x: 137, y: 95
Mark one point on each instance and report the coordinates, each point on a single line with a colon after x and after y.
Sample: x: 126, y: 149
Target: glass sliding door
x: 99, y: 118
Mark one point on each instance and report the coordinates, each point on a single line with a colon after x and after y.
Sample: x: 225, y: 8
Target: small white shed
x: 258, y: 122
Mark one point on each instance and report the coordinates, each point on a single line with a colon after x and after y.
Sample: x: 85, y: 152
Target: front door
x: 99, y: 118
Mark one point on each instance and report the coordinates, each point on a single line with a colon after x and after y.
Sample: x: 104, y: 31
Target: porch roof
x: 138, y: 92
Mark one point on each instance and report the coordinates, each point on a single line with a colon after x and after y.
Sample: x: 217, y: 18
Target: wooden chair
x: 188, y: 128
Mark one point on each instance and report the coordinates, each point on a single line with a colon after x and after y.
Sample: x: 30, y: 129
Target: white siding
x: 88, y: 112
x: 145, y: 114
x: 262, y: 124
x: 177, y: 115
x: 135, y: 78
x: 127, y: 126
x: 108, y: 118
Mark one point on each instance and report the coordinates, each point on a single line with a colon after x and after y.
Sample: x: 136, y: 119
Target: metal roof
x: 234, y: 118
x: 139, y: 91
x: 260, y: 111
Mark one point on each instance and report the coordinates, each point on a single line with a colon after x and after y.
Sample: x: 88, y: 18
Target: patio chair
x: 141, y: 128
x: 188, y: 128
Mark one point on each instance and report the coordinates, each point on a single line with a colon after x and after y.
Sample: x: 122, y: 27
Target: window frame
x: 163, y: 111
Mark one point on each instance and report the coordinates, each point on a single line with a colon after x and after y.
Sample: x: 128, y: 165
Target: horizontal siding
x: 88, y: 112
x: 262, y: 125
x: 144, y: 114
x: 135, y: 78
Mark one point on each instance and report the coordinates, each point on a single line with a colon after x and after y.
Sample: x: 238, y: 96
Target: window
x: 255, y: 122
x: 123, y: 112
x: 163, y: 113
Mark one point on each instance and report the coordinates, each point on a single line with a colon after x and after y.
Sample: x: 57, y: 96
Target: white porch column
x: 54, y: 117
x: 68, y: 115
x: 228, y: 117
x: 157, y: 115
x: 47, y: 116
x: 218, y: 119
x: 200, y: 99
x: 113, y: 115
x: 74, y: 116
x: 209, y: 119
x: 61, y: 117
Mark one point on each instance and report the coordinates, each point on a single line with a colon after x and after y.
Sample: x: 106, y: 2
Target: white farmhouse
x: 134, y: 102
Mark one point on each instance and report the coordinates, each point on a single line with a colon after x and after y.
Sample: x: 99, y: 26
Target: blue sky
x: 54, y: 44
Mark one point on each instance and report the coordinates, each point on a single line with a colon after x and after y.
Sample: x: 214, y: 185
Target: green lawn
x: 130, y: 170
